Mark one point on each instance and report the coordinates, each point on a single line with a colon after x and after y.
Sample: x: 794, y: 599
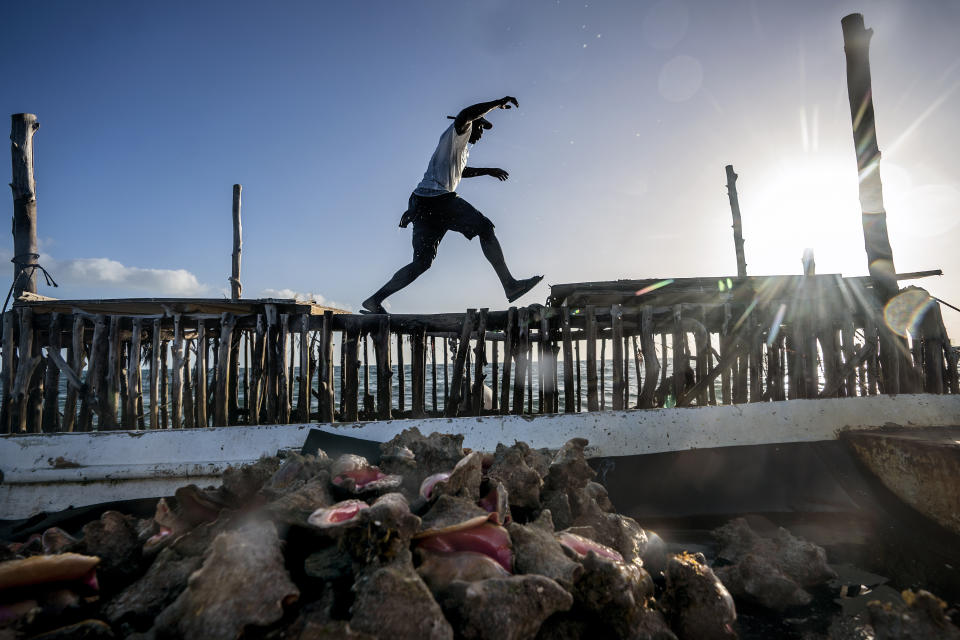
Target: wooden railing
x: 270, y: 363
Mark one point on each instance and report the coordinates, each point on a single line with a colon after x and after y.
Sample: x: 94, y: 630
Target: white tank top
x: 446, y: 165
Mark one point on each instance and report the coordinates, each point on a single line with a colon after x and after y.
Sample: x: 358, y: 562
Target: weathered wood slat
x: 401, y: 376
x: 381, y: 348
x: 133, y: 375
x: 349, y: 393
x: 495, y: 377
x: 283, y: 397
x: 200, y: 400
x: 651, y: 363
x: 452, y: 405
x: 9, y: 373
x: 616, y: 325
x: 479, y: 361
x: 569, y: 401
x: 176, y: 390
x: 51, y: 385
x: 509, y: 355
x: 520, y: 372
x: 593, y: 401
x: 304, y: 377
x: 547, y: 360
x: 418, y: 364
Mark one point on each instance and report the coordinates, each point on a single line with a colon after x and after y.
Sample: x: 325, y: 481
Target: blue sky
x: 328, y: 112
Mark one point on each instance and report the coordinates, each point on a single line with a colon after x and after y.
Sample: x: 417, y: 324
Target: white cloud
x: 109, y: 275
x: 316, y: 298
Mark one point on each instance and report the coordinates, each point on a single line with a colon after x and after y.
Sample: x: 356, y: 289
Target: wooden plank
x: 520, y: 372
x: 200, y: 398
x: 349, y: 393
x: 569, y: 401
x: 271, y: 364
x: 680, y: 360
x: 94, y: 380
x: 651, y: 364
x: 9, y: 374
x: 51, y: 385
x: 509, y: 354
x: 418, y: 373
x: 433, y: 371
x: 164, y: 385
x: 576, y: 355
x: 304, y: 396
x: 189, y: 412
x: 593, y: 402
x: 25, y: 368
x: 603, y: 374
x: 637, y: 361
x: 495, y: 377
x: 176, y: 386
x: 616, y: 325
x: 401, y: 376
x: 452, y: 405
x: 133, y: 374
x: 283, y: 397
x: 381, y: 348
x: 479, y: 361
x: 726, y: 377
x: 549, y: 384
x: 114, y: 367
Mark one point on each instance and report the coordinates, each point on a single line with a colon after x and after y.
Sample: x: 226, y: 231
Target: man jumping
x: 435, y: 207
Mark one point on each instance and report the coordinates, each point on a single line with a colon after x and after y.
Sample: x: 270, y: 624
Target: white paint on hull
x: 52, y: 472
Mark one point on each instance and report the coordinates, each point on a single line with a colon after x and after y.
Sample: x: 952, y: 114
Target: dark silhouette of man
x: 435, y: 207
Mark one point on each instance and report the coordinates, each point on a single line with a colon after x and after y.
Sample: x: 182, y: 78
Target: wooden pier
x: 184, y: 363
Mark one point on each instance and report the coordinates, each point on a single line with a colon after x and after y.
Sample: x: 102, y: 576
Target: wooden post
x: 283, y: 399
x: 381, y: 351
x: 177, y: 360
x: 51, y: 414
x: 133, y: 374
x: 737, y: 226
x: 754, y: 359
x: 348, y: 395
x: 452, y: 405
x: 593, y: 402
x: 164, y: 385
x: 433, y: 370
x: 569, y: 405
x: 28, y: 362
x: 189, y: 411
x: 304, y: 377
x: 603, y: 373
x: 98, y: 353
x: 548, y: 380
x: 725, y: 346
x: 933, y: 341
x: 418, y: 363
x: 235, y: 287
x: 401, y: 376
x: 626, y: 372
x: 480, y: 359
x: 155, y: 372
x: 495, y: 377
x: 680, y: 361
x: 22, y: 128
x: 9, y: 373
x: 520, y: 372
x: 114, y: 358
x: 257, y: 380
x: 637, y: 359
x: 509, y: 354
x: 616, y: 325
x: 529, y: 376
x: 576, y: 355
x: 233, y: 390
x: 325, y: 403
x: 271, y: 365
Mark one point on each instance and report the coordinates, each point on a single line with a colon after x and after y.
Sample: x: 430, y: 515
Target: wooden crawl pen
x: 181, y: 363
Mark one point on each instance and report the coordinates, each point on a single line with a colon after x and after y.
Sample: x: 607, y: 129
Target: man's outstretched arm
x: 468, y: 115
x: 473, y: 172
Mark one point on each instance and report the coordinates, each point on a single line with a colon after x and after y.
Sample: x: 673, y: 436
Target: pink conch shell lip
x: 339, y: 513
x: 582, y: 546
x: 426, y: 487
x: 482, y: 537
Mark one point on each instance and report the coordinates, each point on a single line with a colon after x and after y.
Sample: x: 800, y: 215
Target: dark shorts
x: 433, y: 217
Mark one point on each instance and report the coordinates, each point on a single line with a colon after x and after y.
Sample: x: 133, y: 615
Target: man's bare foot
x: 372, y: 306
x: 521, y: 287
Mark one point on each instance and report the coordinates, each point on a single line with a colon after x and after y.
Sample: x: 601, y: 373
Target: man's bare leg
x: 492, y: 251
x: 403, y: 277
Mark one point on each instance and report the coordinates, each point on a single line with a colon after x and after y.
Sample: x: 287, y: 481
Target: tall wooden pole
x: 235, y: 286
x: 737, y: 227
x: 856, y: 44
x: 22, y: 128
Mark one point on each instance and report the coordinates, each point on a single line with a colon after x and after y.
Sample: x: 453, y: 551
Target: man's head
x: 477, y: 128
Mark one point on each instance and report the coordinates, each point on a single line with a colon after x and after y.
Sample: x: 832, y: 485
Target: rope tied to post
x: 23, y: 266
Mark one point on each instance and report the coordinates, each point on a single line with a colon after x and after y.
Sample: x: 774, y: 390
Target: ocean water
x: 371, y: 386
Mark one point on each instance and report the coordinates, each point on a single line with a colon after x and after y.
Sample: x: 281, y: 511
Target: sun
x: 805, y: 201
